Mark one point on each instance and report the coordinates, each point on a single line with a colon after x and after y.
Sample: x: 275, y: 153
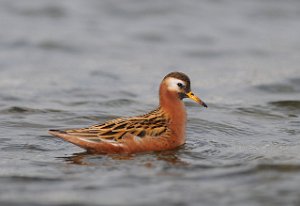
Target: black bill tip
x: 204, y: 105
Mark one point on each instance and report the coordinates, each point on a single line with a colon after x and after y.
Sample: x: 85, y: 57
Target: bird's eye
x: 180, y: 85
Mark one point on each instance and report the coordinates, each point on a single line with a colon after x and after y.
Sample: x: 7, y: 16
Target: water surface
x: 67, y: 64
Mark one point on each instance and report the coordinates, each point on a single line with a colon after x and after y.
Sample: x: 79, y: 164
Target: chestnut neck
x: 171, y: 103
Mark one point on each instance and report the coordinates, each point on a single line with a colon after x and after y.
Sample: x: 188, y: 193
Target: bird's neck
x: 170, y: 102
x: 175, y: 109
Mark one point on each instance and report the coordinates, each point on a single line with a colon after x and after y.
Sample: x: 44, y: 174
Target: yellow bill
x: 196, y: 99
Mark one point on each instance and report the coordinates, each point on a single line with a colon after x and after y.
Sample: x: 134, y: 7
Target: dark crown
x: 181, y: 76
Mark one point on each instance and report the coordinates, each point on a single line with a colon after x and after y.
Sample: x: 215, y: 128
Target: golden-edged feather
x: 154, y: 123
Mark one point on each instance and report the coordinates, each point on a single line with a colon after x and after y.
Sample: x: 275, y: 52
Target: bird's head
x: 180, y: 83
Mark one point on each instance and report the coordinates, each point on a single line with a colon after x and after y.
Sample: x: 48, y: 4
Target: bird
x: 161, y: 129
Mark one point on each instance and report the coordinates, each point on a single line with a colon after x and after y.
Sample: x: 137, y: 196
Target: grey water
x: 66, y: 64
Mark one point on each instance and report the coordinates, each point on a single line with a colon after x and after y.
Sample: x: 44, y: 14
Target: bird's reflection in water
x: 171, y: 157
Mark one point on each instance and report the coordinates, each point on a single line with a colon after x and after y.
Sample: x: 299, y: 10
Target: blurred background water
x: 67, y: 64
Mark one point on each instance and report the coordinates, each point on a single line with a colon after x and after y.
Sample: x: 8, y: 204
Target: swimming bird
x: 160, y: 129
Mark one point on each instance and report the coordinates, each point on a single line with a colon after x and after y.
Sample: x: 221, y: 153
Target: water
x: 67, y: 64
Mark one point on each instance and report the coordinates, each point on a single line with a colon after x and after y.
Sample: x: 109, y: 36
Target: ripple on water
x: 278, y: 167
x: 56, y: 45
x: 291, y: 108
x: 3, y: 140
x: 259, y: 112
x: 28, y: 179
x: 105, y: 74
x: 27, y: 147
x: 23, y: 124
x: 51, y: 11
x: 26, y: 110
x: 292, y: 105
x: 295, y: 81
x: 118, y: 102
x: 204, y: 126
x: 277, y: 88
x: 16, y: 109
x: 290, y: 86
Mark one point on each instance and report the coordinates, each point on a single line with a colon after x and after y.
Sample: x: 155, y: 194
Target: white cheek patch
x: 172, y: 84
